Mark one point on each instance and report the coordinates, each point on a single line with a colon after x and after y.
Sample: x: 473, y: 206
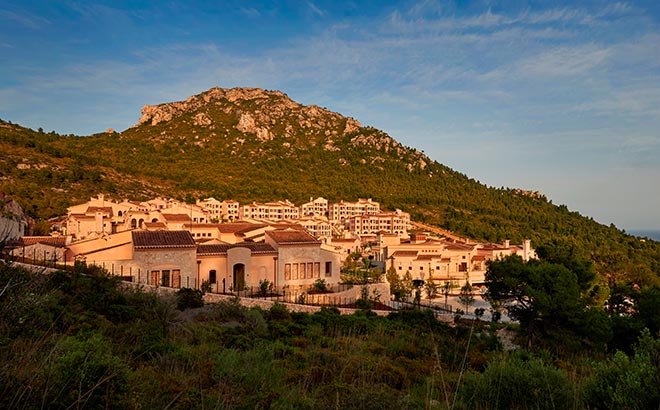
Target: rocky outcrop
x: 13, y: 221
x: 266, y: 115
x: 256, y: 110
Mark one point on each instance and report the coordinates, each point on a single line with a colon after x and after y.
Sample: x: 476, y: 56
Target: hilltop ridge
x: 269, y: 115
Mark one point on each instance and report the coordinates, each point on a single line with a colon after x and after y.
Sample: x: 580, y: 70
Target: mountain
x: 257, y: 145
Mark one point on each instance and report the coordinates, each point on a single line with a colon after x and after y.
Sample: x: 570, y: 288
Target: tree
x: 445, y: 291
x: 431, y: 288
x: 466, y: 297
x: 648, y: 307
x: 542, y: 296
x: 400, y: 288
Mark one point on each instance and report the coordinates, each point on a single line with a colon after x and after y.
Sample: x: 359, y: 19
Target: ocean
x: 647, y: 233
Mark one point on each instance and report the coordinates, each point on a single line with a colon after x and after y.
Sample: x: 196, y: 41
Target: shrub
x: 189, y: 298
x: 625, y: 382
x: 265, y: 287
x: 516, y: 382
x: 320, y: 286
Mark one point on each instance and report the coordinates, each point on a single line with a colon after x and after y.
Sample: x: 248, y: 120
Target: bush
x: 516, y: 382
x: 189, y: 298
x: 320, y: 286
x: 265, y: 287
x: 625, y: 382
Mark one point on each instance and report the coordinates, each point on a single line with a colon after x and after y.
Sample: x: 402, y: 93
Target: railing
x: 306, y: 295
x: 423, y: 304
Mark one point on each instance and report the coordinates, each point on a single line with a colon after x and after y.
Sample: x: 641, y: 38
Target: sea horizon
x: 646, y: 233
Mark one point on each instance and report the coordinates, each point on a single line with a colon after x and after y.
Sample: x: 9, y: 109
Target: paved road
x: 454, y: 302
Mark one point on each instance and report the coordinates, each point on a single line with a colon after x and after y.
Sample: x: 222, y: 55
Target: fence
x: 424, y: 304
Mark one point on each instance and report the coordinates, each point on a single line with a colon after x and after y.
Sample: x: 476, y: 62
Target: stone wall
x: 262, y: 303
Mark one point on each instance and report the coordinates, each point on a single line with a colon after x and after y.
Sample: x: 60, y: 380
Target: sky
x: 561, y: 97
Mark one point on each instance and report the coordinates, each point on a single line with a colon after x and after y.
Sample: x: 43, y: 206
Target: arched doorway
x: 239, y: 276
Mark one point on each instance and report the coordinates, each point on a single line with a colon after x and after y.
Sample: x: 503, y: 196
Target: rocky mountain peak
x: 155, y: 114
x: 266, y: 115
x: 253, y: 108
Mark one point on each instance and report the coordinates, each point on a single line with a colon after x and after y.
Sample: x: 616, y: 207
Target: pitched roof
x: 221, y: 249
x: 459, y: 247
x: 177, y: 217
x: 292, y: 237
x: 201, y: 225
x: 107, y: 209
x: 56, y: 241
x: 162, y: 239
x: 239, y: 227
x: 405, y: 254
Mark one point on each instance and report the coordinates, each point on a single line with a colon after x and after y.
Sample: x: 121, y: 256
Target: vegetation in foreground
x: 84, y: 340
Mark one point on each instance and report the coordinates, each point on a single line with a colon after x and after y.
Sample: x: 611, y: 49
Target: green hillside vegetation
x: 82, y: 340
x: 309, y: 152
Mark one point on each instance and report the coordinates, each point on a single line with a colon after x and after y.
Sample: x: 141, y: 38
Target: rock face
x: 13, y: 221
x: 266, y: 109
x: 267, y: 115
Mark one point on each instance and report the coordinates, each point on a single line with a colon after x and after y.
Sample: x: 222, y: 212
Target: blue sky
x: 559, y: 97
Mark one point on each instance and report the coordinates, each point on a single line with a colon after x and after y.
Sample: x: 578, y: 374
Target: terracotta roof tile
x: 405, y: 254
x: 105, y: 209
x: 221, y: 249
x: 239, y: 227
x: 162, y: 239
x: 177, y: 217
x: 292, y: 237
x: 56, y: 241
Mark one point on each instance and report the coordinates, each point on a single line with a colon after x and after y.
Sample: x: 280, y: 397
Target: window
x: 176, y: 278
x: 303, y: 270
x: 153, y: 278
x: 317, y: 269
x: 295, y: 271
x: 328, y: 269
x: 212, y: 277
x: 165, y: 278
x: 310, y: 270
x: 287, y: 271
x: 400, y: 267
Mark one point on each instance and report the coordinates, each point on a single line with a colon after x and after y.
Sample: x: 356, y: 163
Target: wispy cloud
x: 315, y: 9
x: 250, y: 12
x: 24, y: 18
x: 564, y: 61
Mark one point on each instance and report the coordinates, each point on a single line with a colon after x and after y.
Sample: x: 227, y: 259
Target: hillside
x: 259, y: 145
